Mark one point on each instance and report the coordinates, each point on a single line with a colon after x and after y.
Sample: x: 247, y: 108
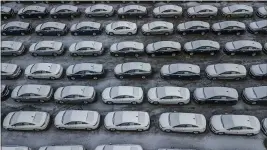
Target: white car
x: 168, y: 11
x: 77, y: 119
x: 26, y: 120
x: 169, y: 95
x: 10, y: 71
x: 86, y: 48
x: 127, y: 48
x: 12, y: 48
x: 65, y: 147
x: 235, y: 124
x: 127, y: 120
x: 53, y: 48
x: 182, y: 122
x: 158, y: 27
x: 119, y: 147
x: 15, y: 148
x: 121, y: 28
x: 44, y: 71
x: 123, y: 94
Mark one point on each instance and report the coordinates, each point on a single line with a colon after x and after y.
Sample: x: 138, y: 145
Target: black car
x: 86, y: 28
x: 258, y: 71
x: 258, y: 27
x: 193, y: 27
x: 33, y: 11
x: 127, y: 48
x: 16, y: 28
x: 229, y: 27
x: 5, y: 92
x: 202, y: 47
x: 7, y: 12
x: 255, y: 95
x: 51, y: 28
x: 133, y: 69
x: 65, y: 11
x: 243, y: 47
x: 180, y: 71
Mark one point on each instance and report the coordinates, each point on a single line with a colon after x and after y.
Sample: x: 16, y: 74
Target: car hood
x: 57, y: 94
x: 152, y: 94
x: 69, y: 70
x: 164, y: 120
x: 6, y: 120
x: 226, y: 10
x: 215, y: 26
x: 28, y: 70
x: 191, y: 10
x: 88, y: 10
x: 117, y: 69
x: 20, y: 11
x: 52, y: 11
x: 37, y: 28
x: 229, y: 46
x: 262, y: 11
x: 109, y: 119
x: 72, y: 47
x: 255, y: 70
x: 15, y: 91
x: 181, y: 27
x: 106, y: 94
x: 253, y: 26
x: 188, y: 46
x: 198, y: 93
x: 31, y: 48
x: 113, y: 47
x: 216, y: 122
x: 73, y: 27
x: 108, y: 27
x: 58, y: 118
x: 210, y: 70
x: 120, y: 10
x: 164, y: 70
x: 249, y: 93
x: 156, y: 10
x: 145, y: 27
x: 149, y: 48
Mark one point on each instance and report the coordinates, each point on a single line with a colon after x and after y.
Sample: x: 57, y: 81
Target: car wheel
x: 107, y: 15
x: 246, y: 16
x: 212, y: 53
x: 41, y: 101
x: 52, y: 78
x: 121, y: 77
x: 116, y: 55
x: 55, y: 54
x: 196, y: 132
x: 139, y: 130
x: 122, y: 16
x: 94, y: 34
x: 203, y: 33
x: 134, y: 103
x: 256, y: 32
x: 237, y: 33
x: 88, y: 129
x: 143, y: 77
x: 22, y: 17
x: 61, y: 128
x: 75, y: 33
x: 72, y: 16
x: 58, y: 34
x: 158, y: 16
x: 136, y: 55
x: 175, y: 17
x: 61, y: 102
x: 193, y: 16
x: 14, y: 54
x: 191, y: 53
x: 95, y: 54
x: 40, y: 34
x: 36, y: 129
x: 72, y: 78
x: 74, y: 54
x: 228, y: 16
x: 30, y: 77
x: 155, y: 103
x: 232, y: 54
x: 5, y: 17
x: 167, y: 33
x: 147, y: 34
x: 180, y: 103
x: 254, y: 103
x: 253, y: 54
x: 3, y: 33
x: 55, y: 17
x: 167, y: 130
x: 85, y: 102
x: 140, y: 17
x: 40, y: 17
x: 95, y: 78
x: 220, y: 133
x: 237, y: 79
x: 109, y: 102
x: 9, y: 129
x: 173, y: 54
x: 219, y: 33
x: 153, y: 55
x: 22, y: 33
x: 17, y: 100
x: 111, y: 33
x: 184, y: 33
x: 210, y: 17
x: 214, y: 78
x: 249, y: 134
x: 129, y: 33
x: 112, y: 129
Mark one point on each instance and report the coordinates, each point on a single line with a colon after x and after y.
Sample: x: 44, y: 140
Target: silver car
x: 121, y: 28
x: 202, y: 46
x: 84, y: 48
x: 132, y: 11
x: 193, y: 27
x: 133, y: 69
x: 168, y: 95
x: 65, y: 147
x: 51, y: 48
x: 255, y: 95
x: 127, y: 48
x: 227, y: 27
x: 15, y: 148
x: 163, y: 47
x: 158, y: 27
x: 99, y: 10
x: 168, y: 11
x: 202, y: 11
x: 258, y: 27
x: 32, y: 93
x: 65, y: 11
x: 122, y: 95
x: 180, y: 71
x: 258, y: 71
x: 10, y: 71
x: 44, y: 71
x: 12, y: 48
x: 26, y: 120
x: 119, y: 147
x: 237, y: 10
x: 262, y: 12
x: 86, y: 28
x: 243, y: 46
x: 226, y: 71
x: 75, y: 94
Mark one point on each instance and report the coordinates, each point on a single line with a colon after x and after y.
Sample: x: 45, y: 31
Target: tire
x: 62, y: 128
x: 58, y: 34
x: 232, y: 54
x: 134, y: 103
x: 228, y: 16
x: 237, y: 79
x: 5, y: 17
x: 36, y: 129
x: 196, y: 132
x: 85, y: 102
x: 55, y: 17
x: 41, y: 101
x: 249, y: 134
x: 147, y: 34
x: 140, y: 17
x: 213, y: 78
x: 193, y: 16
x: 112, y: 129
x: 9, y: 129
x: 180, y: 103
x: 191, y: 53
x: 158, y: 16
x: 210, y: 17
x: 89, y: 129
x: 167, y: 33
x: 40, y: 34
x: 14, y: 55
x: 167, y: 130
x: 122, y: 16
x: 116, y: 55
x: 143, y: 77
x: 94, y: 34
x: 246, y: 16
x: 75, y: 33
x: 106, y: 15
x: 212, y: 53
x: 175, y: 17
x: 95, y: 78
x: 22, y: 33
x: 155, y: 103
x: 153, y: 55
x: 89, y: 16
x: 4, y: 34
x: 253, y: 54
x: 61, y: 102
x: 121, y: 77
x: 136, y: 55
x: 52, y: 78
x: 219, y: 33
x: 129, y: 33
x: 74, y: 54
x: 30, y: 77
x: 111, y: 33
x: 17, y: 100
x: 203, y: 33
x: 173, y: 54
x: 55, y: 54
x: 95, y: 54
x: 220, y: 133
x: 109, y: 102
x: 22, y: 17
x: 184, y: 33
x: 140, y: 130
x: 40, y: 17
x: 72, y: 78
x: 238, y: 33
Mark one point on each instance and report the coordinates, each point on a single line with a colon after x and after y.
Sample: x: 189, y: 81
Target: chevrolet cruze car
x: 193, y: 27
x: 237, y: 10
x: 15, y: 148
x: 10, y: 71
x: 180, y: 71
x: 235, y: 124
x: 119, y: 147
x: 7, y: 12
x: 5, y: 92
x: 51, y: 28
x: 121, y: 28
x: 157, y: 27
x: 84, y: 48
x: 243, y: 47
x: 262, y: 12
x: 75, y: 94
x: 226, y: 71
x: 258, y: 27
x: 87, y: 120
x: 133, y: 69
x: 123, y: 95
x: 44, y: 71
x: 163, y: 48
x: 12, y: 48
x: 182, y: 122
x: 86, y: 28
x: 85, y: 71
x: 258, y: 71
x: 127, y: 48
x: 26, y: 120
x: 132, y: 11
x: 32, y: 93
x: 229, y: 27
x: 65, y: 11
x: 99, y: 10
x: 33, y: 11
x: 202, y: 47
x: 255, y: 95
x: 43, y: 48
x: 168, y: 95
x: 16, y: 28
x: 202, y: 11
x: 64, y: 147
x: 215, y: 95
x: 169, y: 10
x: 127, y: 121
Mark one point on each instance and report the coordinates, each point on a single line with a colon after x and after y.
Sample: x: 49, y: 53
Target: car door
x: 166, y: 100
x: 179, y: 128
x: 234, y: 130
x: 119, y: 30
x: 19, y: 126
x: 193, y: 29
x: 24, y: 97
x: 69, y: 98
x: 124, y: 126
x: 71, y: 125
x: 80, y: 74
x: 214, y: 99
x: 98, y: 12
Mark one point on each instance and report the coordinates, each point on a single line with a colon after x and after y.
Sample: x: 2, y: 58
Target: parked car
x: 262, y: 12
x: 123, y: 95
x: 86, y: 28
x: 133, y: 69
x: 44, y: 71
x: 255, y: 95
x: 32, y: 93
x: 10, y: 71
x: 12, y: 48
x: 132, y: 11
x: 50, y: 48
x: 121, y: 28
x: 258, y: 71
x: 163, y: 48
x: 235, y: 124
x: 5, y: 92
x: 51, y: 28
x: 65, y: 147
x: 226, y: 71
x: 99, y: 10
x: 119, y: 146
x: 157, y: 27
x: 85, y: 71
x: 87, y: 120
x: 264, y: 126
x: 16, y: 28
x: 265, y: 48
x: 7, y: 12
x: 180, y: 71
x: 65, y: 11
x: 243, y: 47
x: 202, y: 11
x: 258, y: 27
x: 229, y: 27
x: 15, y: 148
x: 127, y: 48
x: 84, y: 48
x: 168, y: 95
x: 75, y: 94
x: 26, y: 120
x: 237, y: 10
x: 215, y: 95
x: 168, y: 11
x: 202, y: 47
x: 193, y: 27
x: 127, y: 120
x: 182, y: 122
x: 33, y: 11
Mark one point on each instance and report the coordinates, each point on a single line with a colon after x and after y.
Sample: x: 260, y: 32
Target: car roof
x: 77, y: 115
x: 173, y: 68
x: 261, y: 23
x: 199, y: 43
x: 120, y: 147
x: 34, y: 89
x: 184, y: 118
x: 131, y: 44
x: 95, y: 25
x: 122, y: 24
x: 201, y: 7
x: 154, y: 24
x: 161, y: 44
x: 225, y: 24
x: 129, y: 116
x: 210, y: 92
x: 101, y: 6
x: 138, y: 7
x: 230, y: 121
x: 50, y: 44
x: 43, y: 67
x: 5, y: 9
x: 17, y: 24
x: 77, y: 90
x: 91, y: 44
x: 136, y: 65
x: 34, y: 7
x: 124, y: 90
x: 260, y: 91
x: 57, y: 25
x: 245, y: 43
x: 65, y: 147
x: 69, y: 7
x: 169, y: 91
x: 26, y: 116
x: 87, y: 66
x: 168, y: 7
x: 239, y: 6
x: 225, y: 67
x: 11, y: 44
x: 190, y: 24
